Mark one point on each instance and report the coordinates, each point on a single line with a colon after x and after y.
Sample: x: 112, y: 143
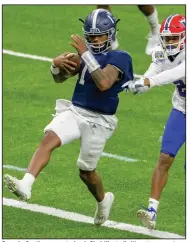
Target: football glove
x: 136, y: 86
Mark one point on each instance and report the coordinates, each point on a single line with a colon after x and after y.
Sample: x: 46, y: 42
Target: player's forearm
x: 100, y: 79
x: 98, y: 75
x: 168, y: 76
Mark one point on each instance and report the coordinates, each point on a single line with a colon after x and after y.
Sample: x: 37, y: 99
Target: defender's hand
x: 62, y: 62
x: 136, y: 86
x: 79, y: 44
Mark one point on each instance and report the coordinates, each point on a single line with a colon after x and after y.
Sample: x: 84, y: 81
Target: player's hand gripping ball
x: 67, y: 62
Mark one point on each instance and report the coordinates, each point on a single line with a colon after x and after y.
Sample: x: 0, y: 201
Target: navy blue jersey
x: 87, y: 95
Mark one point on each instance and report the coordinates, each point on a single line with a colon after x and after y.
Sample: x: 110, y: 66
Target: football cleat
x: 16, y: 187
x: 103, y: 210
x: 147, y: 217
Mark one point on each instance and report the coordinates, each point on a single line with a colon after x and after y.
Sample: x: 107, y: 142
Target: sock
x: 28, y: 179
x: 153, y: 22
x: 102, y: 203
x: 153, y: 203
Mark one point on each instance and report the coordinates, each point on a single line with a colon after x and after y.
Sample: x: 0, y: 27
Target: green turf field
x: 29, y: 95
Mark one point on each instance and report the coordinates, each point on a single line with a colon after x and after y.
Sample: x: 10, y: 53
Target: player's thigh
x: 65, y: 126
x: 93, y: 140
x: 174, y: 134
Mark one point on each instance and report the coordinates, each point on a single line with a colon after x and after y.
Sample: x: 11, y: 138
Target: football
x: 77, y: 60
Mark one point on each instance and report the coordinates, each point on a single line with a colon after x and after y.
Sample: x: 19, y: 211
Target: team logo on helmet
x: 94, y: 30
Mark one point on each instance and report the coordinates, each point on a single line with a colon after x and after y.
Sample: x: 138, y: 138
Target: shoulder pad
x: 182, y: 55
x: 121, y: 52
x: 158, y: 55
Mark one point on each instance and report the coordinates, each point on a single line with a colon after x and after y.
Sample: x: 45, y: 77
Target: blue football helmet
x: 100, y: 22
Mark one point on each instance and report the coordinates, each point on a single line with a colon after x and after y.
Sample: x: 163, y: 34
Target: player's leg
x: 22, y: 188
x: 107, y: 7
x: 92, y: 144
x: 173, y: 138
x: 42, y: 155
x: 94, y: 183
x: 104, y: 200
x: 63, y: 129
x: 115, y: 43
x: 151, y: 14
x: 159, y: 179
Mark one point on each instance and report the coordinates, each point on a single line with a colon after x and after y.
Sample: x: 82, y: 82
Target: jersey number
x: 82, y: 81
x: 181, y: 88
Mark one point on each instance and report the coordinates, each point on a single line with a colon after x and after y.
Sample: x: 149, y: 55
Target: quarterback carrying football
x: 90, y: 116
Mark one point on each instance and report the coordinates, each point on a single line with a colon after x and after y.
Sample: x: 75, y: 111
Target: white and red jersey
x: 162, y: 71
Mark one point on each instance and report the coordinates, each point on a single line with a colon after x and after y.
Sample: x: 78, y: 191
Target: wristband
x: 90, y: 61
x: 152, y: 82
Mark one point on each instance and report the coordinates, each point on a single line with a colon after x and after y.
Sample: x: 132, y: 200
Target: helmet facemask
x: 173, y: 43
x: 103, y: 46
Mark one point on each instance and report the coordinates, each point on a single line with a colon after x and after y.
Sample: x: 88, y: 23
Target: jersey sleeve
x: 168, y: 76
x: 153, y: 69
x: 123, y: 62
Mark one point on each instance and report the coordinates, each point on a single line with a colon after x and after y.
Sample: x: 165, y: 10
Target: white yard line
x: 41, y: 58
x: 104, y: 154
x: 16, y: 168
x: 19, y: 54
x: 112, y: 156
x: 118, y: 157
x: 85, y: 219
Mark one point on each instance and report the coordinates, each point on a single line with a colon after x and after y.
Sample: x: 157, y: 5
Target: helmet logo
x: 94, y: 30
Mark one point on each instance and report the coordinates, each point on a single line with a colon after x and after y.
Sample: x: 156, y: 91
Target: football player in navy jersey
x: 90, y: 116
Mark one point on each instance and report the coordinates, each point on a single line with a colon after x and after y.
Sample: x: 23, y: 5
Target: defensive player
x: 168, y: 66
x: 151, y: 14
x: 90, y: 116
